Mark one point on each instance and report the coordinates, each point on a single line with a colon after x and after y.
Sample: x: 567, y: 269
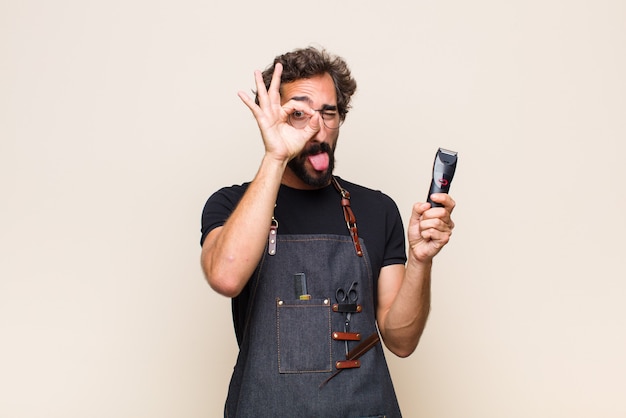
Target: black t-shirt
x: 320, y: 212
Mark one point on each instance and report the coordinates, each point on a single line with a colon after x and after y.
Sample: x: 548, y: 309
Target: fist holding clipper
x: 431, y: 226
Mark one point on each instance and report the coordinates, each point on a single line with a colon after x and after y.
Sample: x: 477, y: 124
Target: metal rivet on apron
x: 280, y: 302
x: 326, y: 302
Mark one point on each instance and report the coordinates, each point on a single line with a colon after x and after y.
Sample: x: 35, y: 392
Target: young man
x: 312, y: 288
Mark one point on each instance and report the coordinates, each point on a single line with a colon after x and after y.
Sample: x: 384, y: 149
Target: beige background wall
x: 119, y: 118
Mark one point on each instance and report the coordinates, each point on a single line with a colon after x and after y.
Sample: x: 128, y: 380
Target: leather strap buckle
x: 347, y: 307
x: 346, y: 336
x: 348, y: 364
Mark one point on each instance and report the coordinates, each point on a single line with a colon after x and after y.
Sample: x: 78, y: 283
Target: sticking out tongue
x: 319, y: 161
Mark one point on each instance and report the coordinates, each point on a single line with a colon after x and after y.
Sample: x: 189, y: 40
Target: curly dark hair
x: 310, y: 62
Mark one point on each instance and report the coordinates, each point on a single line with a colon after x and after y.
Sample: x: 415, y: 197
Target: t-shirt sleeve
x: 218, y: 208
x: 395, y: 247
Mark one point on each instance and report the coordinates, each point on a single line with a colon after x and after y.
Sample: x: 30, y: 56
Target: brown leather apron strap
x: 352, y: 359
x: 363, y: 347
x: 349, y: 215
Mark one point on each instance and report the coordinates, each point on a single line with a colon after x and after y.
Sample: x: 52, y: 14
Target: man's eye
x: 298, y: 114
x: 329, y: 115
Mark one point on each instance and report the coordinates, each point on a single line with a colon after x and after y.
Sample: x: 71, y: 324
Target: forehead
x: 318, y: 91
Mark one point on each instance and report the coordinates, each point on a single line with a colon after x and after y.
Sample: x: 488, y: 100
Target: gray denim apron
x: 287, y: 350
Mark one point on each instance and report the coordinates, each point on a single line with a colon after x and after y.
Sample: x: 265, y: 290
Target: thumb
x: 314, y: 125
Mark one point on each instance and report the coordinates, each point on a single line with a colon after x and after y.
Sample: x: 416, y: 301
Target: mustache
x: 317, y: 148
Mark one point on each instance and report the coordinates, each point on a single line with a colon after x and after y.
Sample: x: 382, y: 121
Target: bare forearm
x: 230, y: 254
x: 406, y: 318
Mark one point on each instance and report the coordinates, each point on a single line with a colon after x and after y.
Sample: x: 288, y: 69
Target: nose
x: 321, y: 136
x: 324, y: 134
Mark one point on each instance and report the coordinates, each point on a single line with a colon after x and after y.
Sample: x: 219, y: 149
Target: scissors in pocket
x: 347, y: 301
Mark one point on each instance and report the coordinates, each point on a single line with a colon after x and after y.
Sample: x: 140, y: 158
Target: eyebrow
x: 325, y: 107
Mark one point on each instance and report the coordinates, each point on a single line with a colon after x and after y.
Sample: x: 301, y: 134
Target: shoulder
x: 380, y: 224
x: 230, y: 193
x: 219, y: 206
x: 366, y: 195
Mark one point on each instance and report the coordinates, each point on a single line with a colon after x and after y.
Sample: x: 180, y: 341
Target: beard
x: 309, y: 176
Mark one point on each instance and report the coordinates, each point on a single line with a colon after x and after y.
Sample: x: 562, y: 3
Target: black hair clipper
x: 443, y: 172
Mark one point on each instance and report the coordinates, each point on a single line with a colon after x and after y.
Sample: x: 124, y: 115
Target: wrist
x: 421, y: 263
x: 272, y: 160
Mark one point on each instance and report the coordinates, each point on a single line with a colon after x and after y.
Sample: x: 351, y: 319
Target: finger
x: 444, y: 199
x: 437, y: 224
x: 420, y: 208
x: 274, y: 90
x: 437, y: 218
x: 250, y: 103
x: 438, y: 238
x: 298, y: 105
x: 314, y: 122
x: 261, y: 90
x: 314, y: 125
x: 432, y: 228
x: 246, y: 99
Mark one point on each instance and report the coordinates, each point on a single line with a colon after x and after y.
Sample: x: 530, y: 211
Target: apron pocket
x: 304, y: 336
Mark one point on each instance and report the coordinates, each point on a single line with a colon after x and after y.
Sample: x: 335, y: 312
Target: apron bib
x: 288, y: 349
